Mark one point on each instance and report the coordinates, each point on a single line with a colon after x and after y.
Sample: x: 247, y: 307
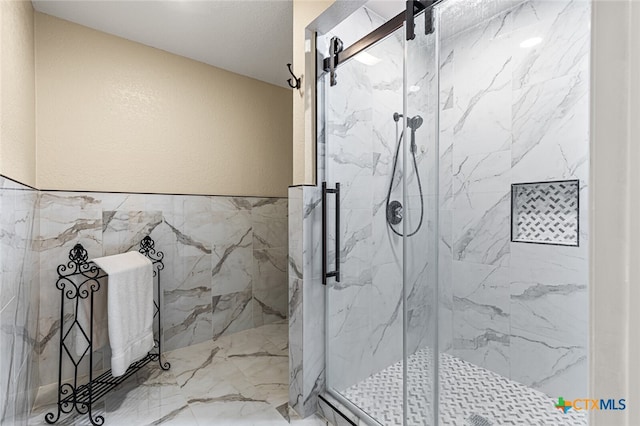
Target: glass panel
x: 365, y: 309
x: 514, y: 108
x: 421, y: 253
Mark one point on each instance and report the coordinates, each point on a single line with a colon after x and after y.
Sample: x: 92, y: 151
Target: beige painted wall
x: 17, y: 92
x: 304, y: 11
x: 615, y: 208
x: 114, y: 115
x: 633, y: 159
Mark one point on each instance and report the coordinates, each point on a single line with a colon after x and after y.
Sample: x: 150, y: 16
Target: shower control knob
x: 394, y: 212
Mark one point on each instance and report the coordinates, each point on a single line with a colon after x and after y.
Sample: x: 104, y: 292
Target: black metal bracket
x: 413, y: 8
x: 429, y: 26
x: 335, y: 47
x: 339, y: 55
x: 78, y: 281
x: 335, y: 273
x: 296, y: 79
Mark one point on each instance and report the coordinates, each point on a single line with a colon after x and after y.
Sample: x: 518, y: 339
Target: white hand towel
x: 130, y: 307
x: 100, y: 327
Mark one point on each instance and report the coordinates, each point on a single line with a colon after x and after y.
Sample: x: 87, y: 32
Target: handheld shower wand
x: 414, y: 124
x: 394, y: 208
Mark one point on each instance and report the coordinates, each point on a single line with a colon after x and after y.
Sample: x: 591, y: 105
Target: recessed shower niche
x: 546, y: 212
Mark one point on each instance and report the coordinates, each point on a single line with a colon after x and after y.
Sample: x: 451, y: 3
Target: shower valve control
x: 394, y: 212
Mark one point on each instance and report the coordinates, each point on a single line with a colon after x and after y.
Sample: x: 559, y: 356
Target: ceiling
x: 248, y: 37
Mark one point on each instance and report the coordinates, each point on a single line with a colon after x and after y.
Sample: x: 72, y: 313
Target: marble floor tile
x: 278, y: 334
x: 249, y: 341
x: 239, y: 413
x: 268, y: 374
x: 140, y: 402
x: 239, y: 379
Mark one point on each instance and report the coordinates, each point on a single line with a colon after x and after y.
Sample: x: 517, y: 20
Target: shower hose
x: 393, y: 173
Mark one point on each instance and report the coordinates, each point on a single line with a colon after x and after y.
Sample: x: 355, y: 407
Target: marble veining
x: 238, y: 379
x: 509, y: 300
x: 306, y: 301
x: 19, y: 301
x: 220, y: 252
x: 37, y: 230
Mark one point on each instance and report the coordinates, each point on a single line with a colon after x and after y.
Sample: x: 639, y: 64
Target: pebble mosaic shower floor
x: 469, y: 396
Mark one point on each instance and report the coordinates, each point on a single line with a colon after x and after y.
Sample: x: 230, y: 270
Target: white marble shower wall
x: 513, y: 111
x: 225, y: 260
x: 19, y: 299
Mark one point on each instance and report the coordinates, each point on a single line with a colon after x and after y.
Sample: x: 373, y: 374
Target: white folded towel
x: 129, y: 307
x: 100, y: 324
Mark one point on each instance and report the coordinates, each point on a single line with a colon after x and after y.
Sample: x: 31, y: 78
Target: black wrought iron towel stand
x: 78, y: 280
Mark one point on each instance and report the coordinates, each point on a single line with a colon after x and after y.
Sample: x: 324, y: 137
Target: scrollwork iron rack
x: 78, y: 280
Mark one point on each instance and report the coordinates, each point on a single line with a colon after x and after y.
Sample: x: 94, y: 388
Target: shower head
x: 415, y: 122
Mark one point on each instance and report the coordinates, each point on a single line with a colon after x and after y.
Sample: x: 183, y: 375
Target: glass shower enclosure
x: 455, y: 159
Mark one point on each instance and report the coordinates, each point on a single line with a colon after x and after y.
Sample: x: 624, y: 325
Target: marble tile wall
x: 511, y: 114
x: 225, y: 260
x: 306, y: 300
x: 296, y: 321
x: 19, y: 300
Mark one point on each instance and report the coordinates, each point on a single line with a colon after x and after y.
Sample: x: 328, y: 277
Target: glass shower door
x: 421, y: 270
x: 365, y: 309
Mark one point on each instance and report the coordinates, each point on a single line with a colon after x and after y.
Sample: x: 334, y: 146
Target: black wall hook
x: 293, y: 86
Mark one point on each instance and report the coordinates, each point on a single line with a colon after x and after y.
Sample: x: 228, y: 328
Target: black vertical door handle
x: 325, y: 272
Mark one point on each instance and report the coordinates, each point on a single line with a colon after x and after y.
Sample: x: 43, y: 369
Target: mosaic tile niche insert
x: 545, y: 212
